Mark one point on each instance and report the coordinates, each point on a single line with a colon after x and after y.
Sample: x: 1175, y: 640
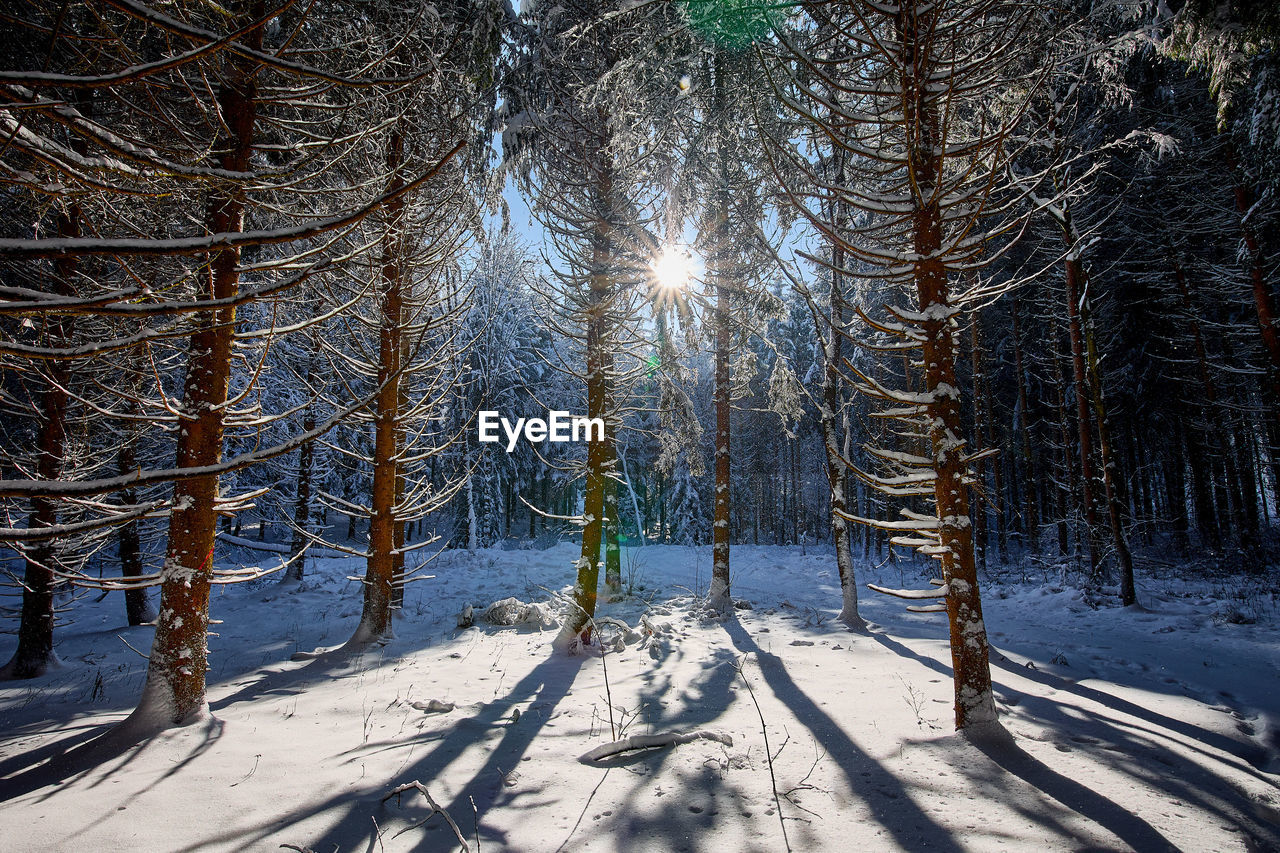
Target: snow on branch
x: 635, y: 742
x: 58, y: 531
x: 915, y: 594
x: 137, y: 72
x: 198, y: 34
x: 64, y: 246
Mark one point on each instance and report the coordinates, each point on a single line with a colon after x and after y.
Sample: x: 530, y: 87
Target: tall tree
x: 584, y: 83
x: 234, y: 86
x: 924, y: 111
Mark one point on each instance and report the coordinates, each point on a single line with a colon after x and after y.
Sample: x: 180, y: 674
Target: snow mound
x: 513, y: 611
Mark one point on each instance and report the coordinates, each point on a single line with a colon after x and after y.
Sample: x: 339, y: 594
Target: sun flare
x: 675, y: 268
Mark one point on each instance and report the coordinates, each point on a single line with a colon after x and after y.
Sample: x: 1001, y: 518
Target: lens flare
x: 675, y: 268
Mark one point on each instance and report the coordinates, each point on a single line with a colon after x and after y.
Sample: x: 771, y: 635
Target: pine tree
x: 582, y: 73
x: 920, y: 169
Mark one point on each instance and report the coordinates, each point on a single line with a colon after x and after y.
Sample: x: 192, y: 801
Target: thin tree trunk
x: 978, y: 505
x: 379, y: 579
x: 1030, y: 485
x: 1111, y: 478
x: 34, y: 654
x: 1201, y: 453
x: 719, y: 596
x: 612, y: 548
x: 635, y: 503
x: 1263, y: 302
x: 137, y: 603
x: 1075, y: 293
x: 577, y: 628
x: 533, y: 516
x: 1176, y: 490
x: 302, y: 502
x: 1065, y: 489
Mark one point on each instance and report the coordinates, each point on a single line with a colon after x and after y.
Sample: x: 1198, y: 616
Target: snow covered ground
x: 1146, y: 730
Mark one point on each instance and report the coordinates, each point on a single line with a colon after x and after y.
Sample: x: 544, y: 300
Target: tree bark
x: 302, y: 502
x: 978, y: 505
x: 577, y: 629
x: 175, y: 689
x: 1080, y: 381
x: 612, y: 547
x: 1030, y: 484
x: 1111, y: 478
x: 1263, y: 302
x: 379, y: 579
x: 1202, y: 440
x: 137, y: 603
x: 974, y: 700
x: 719, y: 596
x: 35, y: 654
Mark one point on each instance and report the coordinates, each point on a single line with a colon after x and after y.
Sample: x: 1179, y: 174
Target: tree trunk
x: 577, y: 628
x: 719, y: 597
x: 1064, y: 490
x: 978, y: 506
x: 1202, y: 439
x: 1079, y: 371
x: 379, y: 579
x: 533, y: 516
x: 1030, y: 484
x: 175, y: 689
x: 1111, y: 478
x: 1176, y: 490
x: 137, y: 603
x: 1263, y: 302
x: 302, y: 502
x: 35, y: 654
x: 612, y: 548
x: 974, y: 700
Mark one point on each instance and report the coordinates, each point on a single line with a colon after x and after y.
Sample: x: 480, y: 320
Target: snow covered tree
x: 918, y: 97
x: 725, y: 94
x: 404, y: 340
x: 507, y: 366
x: 584, y: 85
x: 240, y: 166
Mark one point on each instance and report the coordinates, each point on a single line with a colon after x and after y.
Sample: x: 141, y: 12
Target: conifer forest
x: 639, y: 425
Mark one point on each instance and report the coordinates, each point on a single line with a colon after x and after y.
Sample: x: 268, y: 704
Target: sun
x: 676, y: 268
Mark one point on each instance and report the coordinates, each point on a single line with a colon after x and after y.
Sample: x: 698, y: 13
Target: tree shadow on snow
x: 90, y: 750
x: 684, y: 819
x: 354, y: 818
x: 886, y: 796
x: 1142, y: 753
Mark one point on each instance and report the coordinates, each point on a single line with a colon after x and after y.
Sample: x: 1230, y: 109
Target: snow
x: 1127, y: 729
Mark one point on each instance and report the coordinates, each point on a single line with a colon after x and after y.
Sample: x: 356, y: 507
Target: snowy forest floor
x: 1143, y: 729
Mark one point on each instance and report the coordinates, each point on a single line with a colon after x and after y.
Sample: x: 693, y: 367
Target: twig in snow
x: 805, y: 785
x: 132, y: 649
x: 628, y: 744
x: 608, y: 696
x: 773, y: 779
x: 415, y: 785
x: 253, y: 770
x: 475, y: 814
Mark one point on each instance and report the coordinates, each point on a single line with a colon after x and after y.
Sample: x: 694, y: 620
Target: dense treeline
x: 982, y: 280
